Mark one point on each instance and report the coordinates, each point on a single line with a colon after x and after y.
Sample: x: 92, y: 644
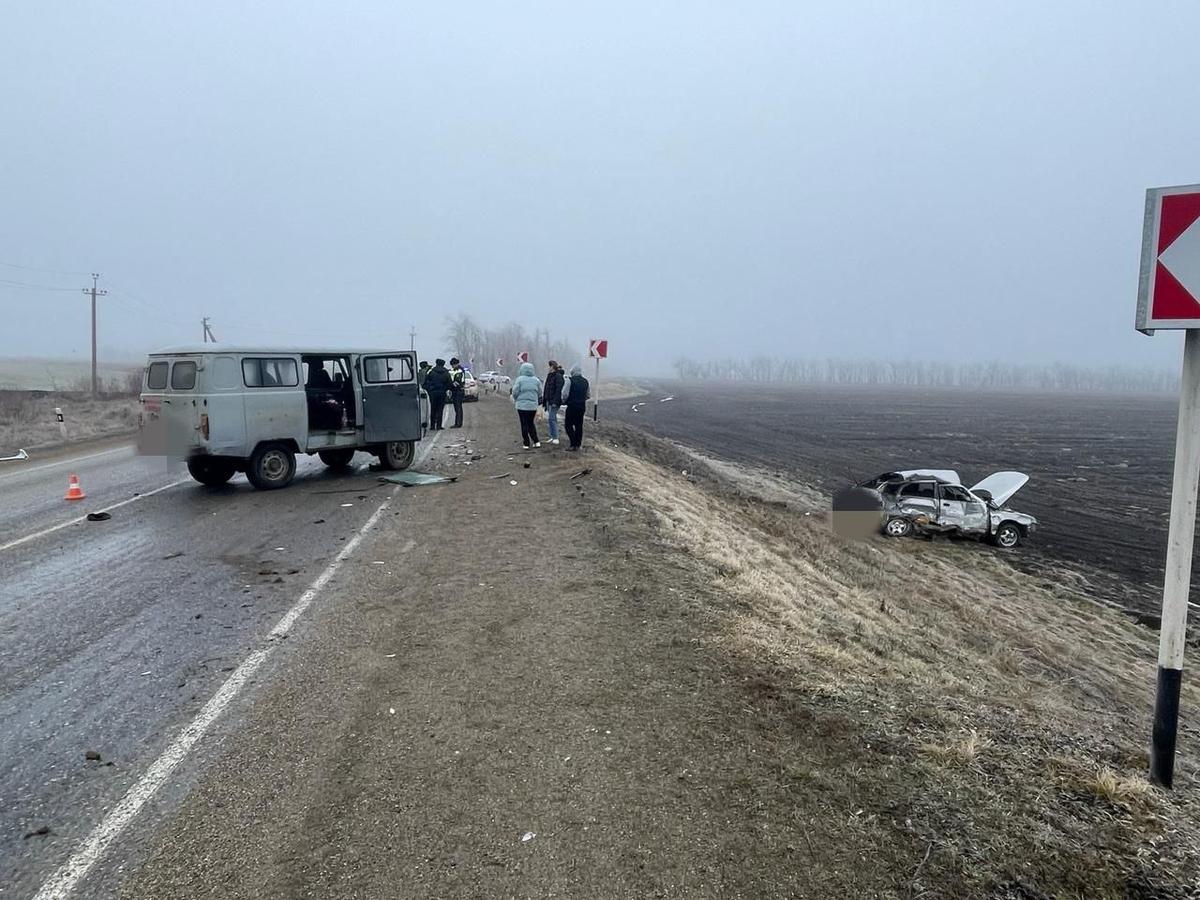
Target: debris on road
x: 417, y: 479
x: 37, y: 832
x: 99, y: 517
x: 495, y: 477
x: 635, y: 407
x: 528, y: 465
x: 20, y: 454
x: 92, y: 756
x: 666, y: 399
x: 528, y: 836
x: 513, y: 483
x: 581, y: 474
x: 175, y: 555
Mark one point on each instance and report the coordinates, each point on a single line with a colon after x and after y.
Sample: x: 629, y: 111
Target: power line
x: 47, y: 271
x: 29, y: 286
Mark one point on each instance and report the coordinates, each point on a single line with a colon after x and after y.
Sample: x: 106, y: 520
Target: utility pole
x: 412, y: 338
x: 95, y: 293
x: 208, y: 335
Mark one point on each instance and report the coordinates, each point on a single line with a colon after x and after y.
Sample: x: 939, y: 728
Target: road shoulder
x: 645, y: 682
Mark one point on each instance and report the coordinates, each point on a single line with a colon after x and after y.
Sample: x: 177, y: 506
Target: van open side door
x: 391, y: 406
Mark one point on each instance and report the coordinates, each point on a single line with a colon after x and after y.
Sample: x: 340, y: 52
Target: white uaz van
x: 247, y: 409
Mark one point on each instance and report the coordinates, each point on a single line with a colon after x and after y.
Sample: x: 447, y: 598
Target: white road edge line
x: 69, y: 874
x: 66, y: 462
x: 83, y: 518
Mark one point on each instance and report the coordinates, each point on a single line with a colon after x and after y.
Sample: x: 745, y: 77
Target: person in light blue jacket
x: 526, y: 392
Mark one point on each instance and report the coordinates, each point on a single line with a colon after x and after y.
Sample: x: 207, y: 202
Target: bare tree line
x: 472, y: 341
x: 998, y: 376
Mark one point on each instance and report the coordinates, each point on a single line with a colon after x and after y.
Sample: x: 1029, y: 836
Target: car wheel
x: 212, y: 472
x: 1008, y: 535
x: 897, y: 527
x: 272, y: 466
x: 397, y: 454
x: 336, y: 459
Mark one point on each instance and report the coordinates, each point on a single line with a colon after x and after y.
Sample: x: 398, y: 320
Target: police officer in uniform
x: 437, y: 383
x: 458, y: 388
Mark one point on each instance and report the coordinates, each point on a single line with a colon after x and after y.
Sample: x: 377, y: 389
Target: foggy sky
x: 943, y: 180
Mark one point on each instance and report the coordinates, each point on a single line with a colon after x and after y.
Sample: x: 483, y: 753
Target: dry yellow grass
x: 978, y: 674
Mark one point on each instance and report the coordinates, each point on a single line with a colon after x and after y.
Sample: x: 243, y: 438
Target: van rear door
x: 391, y: 407
x: 171, y: 418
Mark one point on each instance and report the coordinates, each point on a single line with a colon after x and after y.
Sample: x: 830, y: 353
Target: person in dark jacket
x: 575, y: 396
x: 437, y: 383
x: 552, y: 398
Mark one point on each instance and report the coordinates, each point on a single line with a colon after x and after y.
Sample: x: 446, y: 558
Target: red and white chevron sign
x: 523, y: 356
x: 1169, y: 288
x: 597, y: 349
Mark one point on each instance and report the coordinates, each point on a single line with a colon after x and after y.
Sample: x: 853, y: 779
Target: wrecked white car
x: 933, y: 501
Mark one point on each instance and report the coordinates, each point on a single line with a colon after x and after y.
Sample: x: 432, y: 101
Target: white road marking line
x: 83, y: 518
x: 70, y: 873
x: 66, y: 462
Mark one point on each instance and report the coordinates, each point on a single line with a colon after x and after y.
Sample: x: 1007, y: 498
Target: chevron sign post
x: 1169, y: 298
x: 597, y: 350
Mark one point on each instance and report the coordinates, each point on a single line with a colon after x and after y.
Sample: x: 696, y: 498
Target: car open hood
x: 1001, y: 485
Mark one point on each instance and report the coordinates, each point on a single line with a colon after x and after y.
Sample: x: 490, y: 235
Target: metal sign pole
x: 596, y: 394
x: 1177, y: 582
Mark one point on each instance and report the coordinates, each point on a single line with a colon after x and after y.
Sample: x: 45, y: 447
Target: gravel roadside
x: 509, y: 695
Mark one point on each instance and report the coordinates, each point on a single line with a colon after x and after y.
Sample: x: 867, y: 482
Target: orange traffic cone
x: 74, y: 491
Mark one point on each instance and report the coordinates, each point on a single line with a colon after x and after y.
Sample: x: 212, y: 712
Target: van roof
x: 193, y: 349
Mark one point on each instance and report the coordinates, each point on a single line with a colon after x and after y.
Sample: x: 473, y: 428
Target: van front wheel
x: 212, y: 472
x: 397, y: 454
x: 272, y: 466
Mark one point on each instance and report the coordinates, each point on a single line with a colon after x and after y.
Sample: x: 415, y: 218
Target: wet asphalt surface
x: 114, y: 634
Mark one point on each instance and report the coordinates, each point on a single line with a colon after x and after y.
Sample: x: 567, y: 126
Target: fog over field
x: 918, y: 181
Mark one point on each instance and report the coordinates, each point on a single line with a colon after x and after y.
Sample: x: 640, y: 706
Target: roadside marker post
x: 1169, y: 298
x: 62, y: 424
x: 598, y: 350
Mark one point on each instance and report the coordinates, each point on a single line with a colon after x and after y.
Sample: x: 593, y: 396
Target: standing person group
x: 528, y: 394
x: 442, y: 384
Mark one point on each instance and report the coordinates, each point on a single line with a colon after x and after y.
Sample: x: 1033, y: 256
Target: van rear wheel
x: 271, y: 467
x: 397, y: 454
x: 336, y: 459
x: 212, y: 472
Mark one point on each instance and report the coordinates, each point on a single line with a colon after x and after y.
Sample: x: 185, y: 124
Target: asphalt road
x: 113, y: 634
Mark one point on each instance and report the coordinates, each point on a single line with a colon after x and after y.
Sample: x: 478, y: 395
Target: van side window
x: 384, y: 369
x: 183, y: 375
x: 270, y: 373
x: 156, y: 376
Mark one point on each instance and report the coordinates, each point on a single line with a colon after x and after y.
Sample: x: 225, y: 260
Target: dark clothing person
x: 552, y: 398
x: 437, y: 383
x: 552, y: 392
x: 458, y: 382
x: 575, y: 397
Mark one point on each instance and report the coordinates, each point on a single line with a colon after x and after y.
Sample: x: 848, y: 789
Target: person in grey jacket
x: 526, y: 392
